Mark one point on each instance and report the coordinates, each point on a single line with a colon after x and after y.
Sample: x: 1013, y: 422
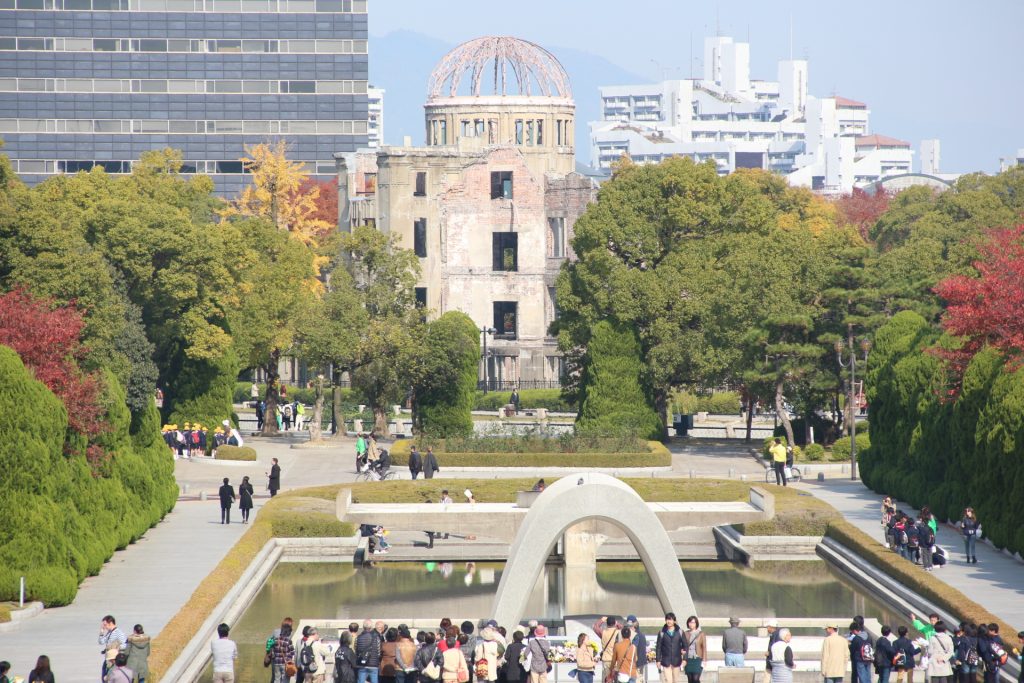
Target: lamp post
x: 865, y: 345
x: 484, y: 331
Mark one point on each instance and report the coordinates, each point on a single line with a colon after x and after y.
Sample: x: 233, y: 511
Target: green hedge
x: 814, y: 452
x: 841, y: 448
x: 62, y: 520
x: 444, y: 395
x: 549, y: 399
x: 236, y: 453
x: 657, y: 455
x: 947, y: 454
x: 718, y: 403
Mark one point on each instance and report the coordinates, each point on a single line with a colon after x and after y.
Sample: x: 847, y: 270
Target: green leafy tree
x: 445, y: 390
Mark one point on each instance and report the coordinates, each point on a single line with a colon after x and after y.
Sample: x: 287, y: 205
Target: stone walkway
x: 996, y: 582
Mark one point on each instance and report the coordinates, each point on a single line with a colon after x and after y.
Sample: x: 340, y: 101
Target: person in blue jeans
x: 368, y: 648
x: 884, y: 653
x: 971, y: 528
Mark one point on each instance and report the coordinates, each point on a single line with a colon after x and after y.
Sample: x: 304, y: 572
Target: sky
x: 926, y: 69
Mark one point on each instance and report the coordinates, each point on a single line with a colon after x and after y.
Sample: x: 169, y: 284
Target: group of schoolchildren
x: 194, y: 439
x: 913, y: 538
x: 949, y: 654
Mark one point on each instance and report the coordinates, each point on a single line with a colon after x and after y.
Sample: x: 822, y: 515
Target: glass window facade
x: 180, y: 73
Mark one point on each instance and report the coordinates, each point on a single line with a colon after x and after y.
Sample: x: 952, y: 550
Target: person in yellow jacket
x: 778, y: 453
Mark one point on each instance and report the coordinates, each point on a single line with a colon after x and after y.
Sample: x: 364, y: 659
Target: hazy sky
x: 936, y: 68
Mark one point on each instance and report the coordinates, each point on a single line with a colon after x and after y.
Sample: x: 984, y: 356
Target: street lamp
x: 865, y: 346
x: 484, y: 331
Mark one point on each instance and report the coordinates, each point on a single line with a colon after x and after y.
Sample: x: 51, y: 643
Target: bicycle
x: 792, y: 474
x: 371, y: 475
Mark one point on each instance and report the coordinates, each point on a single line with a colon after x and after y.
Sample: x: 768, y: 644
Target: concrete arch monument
x: 577, y: 498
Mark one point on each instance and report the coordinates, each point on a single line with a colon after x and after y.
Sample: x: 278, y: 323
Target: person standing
x: 254, y: 392
x: 669, y: 649
x: 778, y: 453
x: 138, y: 654
x: 227, y: 499
x: 274, y: 478
x: 514, y: 400
x: 884, y: 653
x: 415, y: 463
x: 585, y: 662
x: 360, y: 451
x: 971, y: 529
x: 782, y: 658
x: 282, y: 651
x: 773, y: 637
x: 835, y: 654
x: 224, y: 652
x: 430, y: 467
x: 300, y: 415
x: 454, y: 668
x: 345, y: 659
x: 734, y: 643
x: 941, y: 653
x: 42, y: 672
x: 120, y: 673
x: 368, y: 650
x: 623, y: 657
x: 903, y: 662
x: 514, y: 671
x: 405, y: 656
x: 487, y: 654
x: 696, y: 650
x: 245, y: 493
x: 862, y: 654
x: 538, y: 646
x: 428, y: 659
x: 609, y: 639
x: 112, y: 640
x: 5, y: 668
x: 318, y: 672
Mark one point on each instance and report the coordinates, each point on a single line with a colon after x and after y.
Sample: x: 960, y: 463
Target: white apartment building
x: 375, y: 122
x: 822, y: 143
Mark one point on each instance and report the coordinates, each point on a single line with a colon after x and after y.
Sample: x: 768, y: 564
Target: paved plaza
x: 149, y: 581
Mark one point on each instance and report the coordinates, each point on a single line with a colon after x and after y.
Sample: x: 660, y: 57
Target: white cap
x: 774, y: 623
x: 226, y: 423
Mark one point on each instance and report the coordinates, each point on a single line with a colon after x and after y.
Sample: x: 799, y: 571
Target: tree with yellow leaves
x: 278, y: 194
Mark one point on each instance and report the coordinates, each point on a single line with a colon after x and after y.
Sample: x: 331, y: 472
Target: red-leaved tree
x: 48, y: 339
x: 326, y: 200
x: 862, y: 210
x: 987, y: 310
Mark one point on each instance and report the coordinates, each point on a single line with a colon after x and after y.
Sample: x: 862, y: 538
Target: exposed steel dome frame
x: 513, y: 67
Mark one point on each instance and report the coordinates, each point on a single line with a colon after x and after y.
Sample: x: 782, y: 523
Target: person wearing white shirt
x: 225, y: 652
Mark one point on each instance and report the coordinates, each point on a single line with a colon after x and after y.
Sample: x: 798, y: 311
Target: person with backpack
x: 991, y: 652
x: 913, y: 540
x: 903, y: 660
x: 971, y: 529
x: 862, y: 654
x: 345, y: 660
x: 281, y: 654
x: 927, y: 541
x: 313, y: 658
x: 835, y: 654
x: 967, y: 654
x: 900, y: 538
x: 941, y: 653
x: 885, y: 651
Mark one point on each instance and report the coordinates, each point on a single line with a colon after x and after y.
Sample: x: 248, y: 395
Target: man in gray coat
x: 734, y: 643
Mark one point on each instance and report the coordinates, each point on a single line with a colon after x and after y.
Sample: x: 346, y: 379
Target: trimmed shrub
x: 203, y: 392
x: 616, y: 393
x: 226, y: 452
x: 841, y: 448
x: 62, y: 521
x: 814, y: 452
x: 549, y: 399
x: 717, y: 403
x: 444, y: 399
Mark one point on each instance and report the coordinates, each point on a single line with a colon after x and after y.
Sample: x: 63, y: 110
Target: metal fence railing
x: 509, y: 385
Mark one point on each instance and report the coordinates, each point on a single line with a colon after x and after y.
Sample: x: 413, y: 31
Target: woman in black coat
x: 245, y: 492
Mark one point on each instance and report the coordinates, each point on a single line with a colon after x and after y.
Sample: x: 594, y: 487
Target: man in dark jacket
x: 415, y: 463
x: 430, y: 464
x: 227, y: 497
x: 669, y: 650
x: 368, y: 648
x: 860, y: 668
x: 884, y: 652
x: 906, y: 651
x: 274, y: 478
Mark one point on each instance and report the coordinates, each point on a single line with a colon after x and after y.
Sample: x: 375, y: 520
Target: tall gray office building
x: 87, y: 82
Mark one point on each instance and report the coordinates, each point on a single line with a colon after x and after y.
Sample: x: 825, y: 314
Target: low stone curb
x: 229, y: 463
x: 19, y: 615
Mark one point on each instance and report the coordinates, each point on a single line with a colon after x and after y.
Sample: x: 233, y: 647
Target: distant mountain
x: 401, y: 63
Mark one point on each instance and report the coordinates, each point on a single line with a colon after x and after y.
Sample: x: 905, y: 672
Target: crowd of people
x: 915, y: 537
x: 194, y: 439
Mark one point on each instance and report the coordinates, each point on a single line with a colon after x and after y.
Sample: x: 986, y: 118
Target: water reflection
x: 466, y: 590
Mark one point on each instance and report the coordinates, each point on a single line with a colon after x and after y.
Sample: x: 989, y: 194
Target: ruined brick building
x: 489, y: 203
